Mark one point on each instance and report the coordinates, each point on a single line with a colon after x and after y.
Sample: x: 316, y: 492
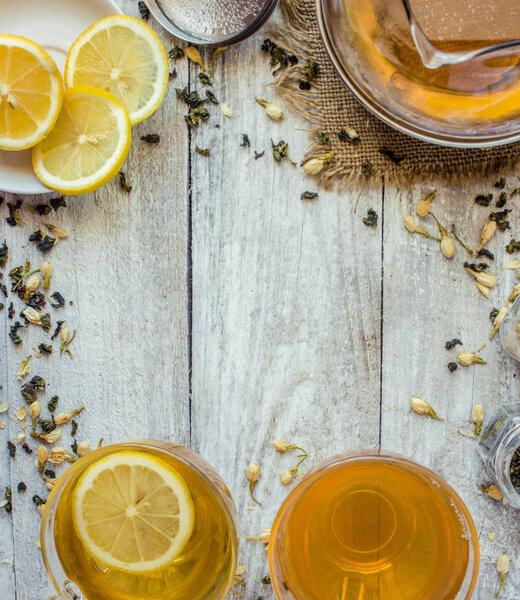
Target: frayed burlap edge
x: 293, y: 35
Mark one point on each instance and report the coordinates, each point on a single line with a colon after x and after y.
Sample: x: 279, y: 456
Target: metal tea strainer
x: 211, y: 22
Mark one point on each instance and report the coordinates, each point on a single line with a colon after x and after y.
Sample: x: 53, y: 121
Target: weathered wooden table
x: 214, y: 308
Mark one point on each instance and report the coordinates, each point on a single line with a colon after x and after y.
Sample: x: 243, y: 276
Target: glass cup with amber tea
x: 140, y: 521
x: 445, y: 71
x: 373, y: 526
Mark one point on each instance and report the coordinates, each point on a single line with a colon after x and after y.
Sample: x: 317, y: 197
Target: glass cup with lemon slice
x: 140, y: 521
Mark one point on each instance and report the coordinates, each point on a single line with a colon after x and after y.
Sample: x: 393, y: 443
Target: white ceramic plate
x: 54, y: 24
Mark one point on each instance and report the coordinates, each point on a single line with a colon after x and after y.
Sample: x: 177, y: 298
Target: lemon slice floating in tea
x: 125, y: 57
x: 133, y: 512
x: 88, y: 144
x: 31, y: 93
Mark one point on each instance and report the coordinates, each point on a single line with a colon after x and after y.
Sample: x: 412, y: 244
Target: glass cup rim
x: 369, y: 455
x: 166, y: 447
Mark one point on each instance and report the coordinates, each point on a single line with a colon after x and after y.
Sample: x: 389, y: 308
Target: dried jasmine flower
x: 216, y: 53
x: 123, y: 183
x: 53, y: 403
x: 66, y: 341
x: 413, y: 227
x: 21, y: 413
x: 225, y: 110
x: 481, y: 275
x: 245, y: 141
x: 253, y: 475
x: 452, y: 366
x: 203, y: 151
x: 503, y: 565
x: 371, y: 219
x: 271, y: 110
x: 482, y: 200
x: 194, y: 55
x: 514, y: 264
x: 59, y: 300
x: 259, y: 154
x: 424, y: 206
x: 487, y: 233
x: 477, y: 416
x: 502, y: 199
x: 390, y: 154
x: 176, y: 53
x: 205, y: 79
x: 211, y: 97
x: 48, y: 438
x: 11, y: 448
x: 82, y: 449
x: 316, y: 165
x: 57, y: 231
x: 286, y: 477
x: 447, y: 244
x: 492, y: 491
x: 4, y: 407
x: 25, y: 368
x: 471, y: 358
x: 422, y: 407
x: 144, y: 11
x: 59, y: 325
x: 57, y: 203
x: 263, y: 537
x: 309, y: 196
x: 349, y: 135
x: 35, y: 410
x: 324, y: 138
x: 151, y: 138
x: 66, y: 417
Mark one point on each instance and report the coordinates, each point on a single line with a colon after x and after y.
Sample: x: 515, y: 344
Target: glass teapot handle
x: 434, y: 58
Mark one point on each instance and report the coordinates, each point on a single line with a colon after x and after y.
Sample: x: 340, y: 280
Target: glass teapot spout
x: 470, y: 35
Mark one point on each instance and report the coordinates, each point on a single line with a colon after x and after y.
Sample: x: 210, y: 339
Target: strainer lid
x: 211, y: 22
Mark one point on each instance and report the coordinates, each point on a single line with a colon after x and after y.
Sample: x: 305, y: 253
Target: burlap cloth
x: 329, y: 107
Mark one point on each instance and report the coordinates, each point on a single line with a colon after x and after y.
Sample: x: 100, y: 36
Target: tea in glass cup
x: 373, y: 526
x: 140, y: 521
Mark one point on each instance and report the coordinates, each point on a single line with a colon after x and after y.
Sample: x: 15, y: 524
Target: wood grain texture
x: 304, y: 323
x: 124, y: 266
x: 286, y: 305
x: 427, y: 301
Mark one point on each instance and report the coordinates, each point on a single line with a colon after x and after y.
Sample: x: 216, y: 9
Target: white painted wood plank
x: 7, y: 580
x: 286, y: 304
x: 124, y: 266
x: 427, y: 301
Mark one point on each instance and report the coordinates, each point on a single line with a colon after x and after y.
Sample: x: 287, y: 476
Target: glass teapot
x: 444, y: 71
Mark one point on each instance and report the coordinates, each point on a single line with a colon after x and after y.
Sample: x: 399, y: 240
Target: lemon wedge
x: 88, y: 144
x: 125, y: 57
x: 133, y: 511
x: 31, y: 93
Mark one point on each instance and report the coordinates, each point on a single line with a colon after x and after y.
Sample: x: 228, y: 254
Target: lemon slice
x: 31, y: 93
x: 133, y: 512
x: 125, y: 57
x: 88, y: 144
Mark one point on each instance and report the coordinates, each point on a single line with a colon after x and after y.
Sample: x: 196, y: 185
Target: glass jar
x: 510, y: 330
x: 497, y: 446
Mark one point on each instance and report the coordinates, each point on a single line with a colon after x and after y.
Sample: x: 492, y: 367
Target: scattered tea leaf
x: 203, y: 151
x: 144, y: 11
x: 151, y: 138
x: 309, y: 195
x: 123, y: 183
x: 371, y: 219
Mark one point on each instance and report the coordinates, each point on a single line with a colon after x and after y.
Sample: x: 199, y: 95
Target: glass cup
x: 371, y: 525
x: 204, y: 567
